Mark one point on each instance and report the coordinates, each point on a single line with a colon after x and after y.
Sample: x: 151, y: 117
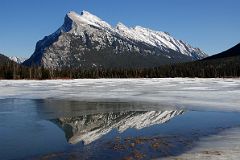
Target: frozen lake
x: 120, y: 119
x: 188, y: 93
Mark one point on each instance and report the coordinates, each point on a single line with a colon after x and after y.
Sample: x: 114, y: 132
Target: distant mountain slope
x: 4, y: 60
x: 18, y: 60
x: 232, y: 52
x: 86, y: 41
x: 225, y: 64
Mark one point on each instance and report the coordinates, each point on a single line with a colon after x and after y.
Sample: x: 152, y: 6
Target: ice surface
x: 185, y: 93
x: 224, y: 146
x: 182, y: 93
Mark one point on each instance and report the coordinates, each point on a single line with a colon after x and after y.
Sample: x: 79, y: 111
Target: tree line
x: 219, y: 68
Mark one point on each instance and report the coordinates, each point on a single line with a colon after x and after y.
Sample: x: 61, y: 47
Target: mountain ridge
x: 232, y: 52
x: 4, y: 59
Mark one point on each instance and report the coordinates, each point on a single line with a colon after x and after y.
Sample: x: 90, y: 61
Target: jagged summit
x: 84, y: 15
x: 121, y: 26
x: 85, y: 40
x: 86, y: 18
x: 75, y: 16
x: 72, y: 14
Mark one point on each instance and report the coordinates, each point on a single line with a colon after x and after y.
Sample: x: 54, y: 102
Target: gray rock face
x: 89, y: 128
x: 87, y: 41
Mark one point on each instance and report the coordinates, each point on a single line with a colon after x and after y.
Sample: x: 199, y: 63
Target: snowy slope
x: 158, y: 39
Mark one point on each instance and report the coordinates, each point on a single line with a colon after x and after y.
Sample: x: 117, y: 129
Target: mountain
x: 222, y: 65
x: 3, y: 59
x: 232, y: 52
x: 18, y: 60
x: 86, y: 41
x: 89, y: 128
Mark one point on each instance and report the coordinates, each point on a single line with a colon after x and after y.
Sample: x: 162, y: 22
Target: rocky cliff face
x: 89, y: 128
x: 87, y: 41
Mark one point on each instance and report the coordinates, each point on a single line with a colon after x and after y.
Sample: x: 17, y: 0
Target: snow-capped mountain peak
x: 159, y: 39
x: 86, y: 18
x: 85, y: 33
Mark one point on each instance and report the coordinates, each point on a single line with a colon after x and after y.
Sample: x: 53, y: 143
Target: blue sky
x: 212, y: 25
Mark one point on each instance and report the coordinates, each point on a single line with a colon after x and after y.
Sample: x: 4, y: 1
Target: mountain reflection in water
x: 53, y: 129
x: 91, y: 127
